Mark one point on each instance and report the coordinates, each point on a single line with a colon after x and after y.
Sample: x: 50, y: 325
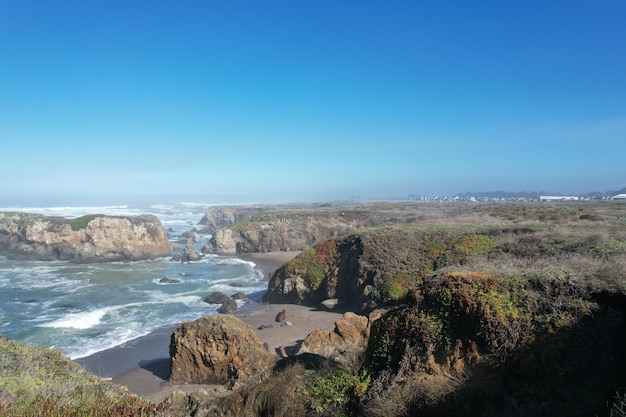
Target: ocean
x: 82, y: 309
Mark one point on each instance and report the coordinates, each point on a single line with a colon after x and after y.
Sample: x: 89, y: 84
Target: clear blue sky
x: 283, y: 100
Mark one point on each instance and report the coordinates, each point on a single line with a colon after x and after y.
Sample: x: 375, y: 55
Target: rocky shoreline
x: 143, y: 365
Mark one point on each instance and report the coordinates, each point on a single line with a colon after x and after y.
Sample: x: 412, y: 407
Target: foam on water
x: 84, y: 320
x: 82, y: 309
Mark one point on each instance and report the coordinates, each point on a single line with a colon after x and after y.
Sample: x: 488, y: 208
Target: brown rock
x: 281, y: 351
x: 92, y: 238
x: 350, y: 335
x: 282, y: 316
x: 228, y: 307
x: 352, y: 328
x: 218, y: 349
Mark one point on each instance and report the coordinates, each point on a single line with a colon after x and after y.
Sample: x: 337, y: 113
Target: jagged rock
x: 189, y: 252
x: 269, y: 231
x: 221, y: 242
x: 363, y: 272
x: 228, y: 307
x: 350, y: 335
x: 92, y: 238
x: 216, y: 298
x: 217, y: 219
x: 219, y: 348
x: 169, y: 281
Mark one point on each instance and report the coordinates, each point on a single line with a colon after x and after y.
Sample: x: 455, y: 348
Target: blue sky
x: 283, y: 100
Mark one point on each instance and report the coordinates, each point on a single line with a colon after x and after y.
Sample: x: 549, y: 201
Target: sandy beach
x: 142, y: 365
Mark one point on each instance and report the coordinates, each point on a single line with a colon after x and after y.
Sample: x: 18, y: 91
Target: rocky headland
x: 511, y: 310
x: 462, y: 318
x: 246, y: 230
x: 92, y: 238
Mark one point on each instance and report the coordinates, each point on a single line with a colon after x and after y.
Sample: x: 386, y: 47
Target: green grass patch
x: 81, y: 222
x: 41, y: 382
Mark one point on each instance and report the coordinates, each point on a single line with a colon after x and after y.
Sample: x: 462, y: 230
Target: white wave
x: 81, y: 321
x: 104, y: 342
x: 158, y: 297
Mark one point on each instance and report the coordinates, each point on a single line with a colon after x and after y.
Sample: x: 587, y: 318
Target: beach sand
x: 143, y: 365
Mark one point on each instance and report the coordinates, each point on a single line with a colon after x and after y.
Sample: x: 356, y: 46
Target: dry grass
x: 395, y: 395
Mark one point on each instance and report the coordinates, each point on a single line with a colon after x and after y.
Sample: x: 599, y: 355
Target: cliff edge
x: 92, y: 238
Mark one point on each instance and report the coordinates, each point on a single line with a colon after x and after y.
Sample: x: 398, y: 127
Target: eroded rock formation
x: 219, y: 348
x: 276, y: 232
x: 93, y: 238
x: 348, y: 338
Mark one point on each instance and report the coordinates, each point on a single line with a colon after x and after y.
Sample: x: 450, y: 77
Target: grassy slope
x: 42, y: 382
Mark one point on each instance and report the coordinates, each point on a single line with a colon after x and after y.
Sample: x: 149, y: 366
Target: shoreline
x: 143, y: 364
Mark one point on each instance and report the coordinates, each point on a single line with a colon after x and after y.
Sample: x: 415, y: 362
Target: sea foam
x: 81, y: 321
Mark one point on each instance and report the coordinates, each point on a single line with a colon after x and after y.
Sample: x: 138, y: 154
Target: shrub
x: 314, y: 276
x: 330, y: 391
x: 81, y: 222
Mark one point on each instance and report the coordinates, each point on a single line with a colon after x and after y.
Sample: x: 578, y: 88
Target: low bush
x: 81, y: 222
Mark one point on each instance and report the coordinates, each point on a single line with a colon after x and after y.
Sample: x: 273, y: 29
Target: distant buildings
x: 558, y: 198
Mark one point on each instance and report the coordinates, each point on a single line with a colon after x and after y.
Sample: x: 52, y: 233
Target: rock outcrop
x: 369, y: 270
x: 276, y: 231
x: 93, y: 238
x: 329, y: 270
x: 220, y: 218
x: 349, y: 337
x: 189, y: 252
x: 221, y: 242
x: 218, y: 349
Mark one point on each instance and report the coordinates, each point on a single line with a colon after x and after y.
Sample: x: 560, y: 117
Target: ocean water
x: 82, y: 309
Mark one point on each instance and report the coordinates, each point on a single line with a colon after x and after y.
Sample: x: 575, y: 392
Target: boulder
x: 228, y: 307
x: 218, y: 349
x: 282, y: 316
x: 239, y: 295
x: 350, y: 335
x: 330, y: 303
x: 216, y: 298
x: 167, y: 280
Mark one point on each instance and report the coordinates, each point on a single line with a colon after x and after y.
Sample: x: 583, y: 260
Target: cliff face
x: 276, y: 232
x: 368, y: 270
x: 94, y: 238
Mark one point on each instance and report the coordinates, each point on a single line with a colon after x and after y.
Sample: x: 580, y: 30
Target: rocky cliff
x: 92, y: 238
x: 371, y: 269
x: 274, y: 230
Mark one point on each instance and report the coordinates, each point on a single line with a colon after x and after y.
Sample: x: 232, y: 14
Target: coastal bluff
x: 91, y: 238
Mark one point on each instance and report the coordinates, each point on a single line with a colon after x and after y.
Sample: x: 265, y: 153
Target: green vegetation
x: 81, y: 222
x: 310, y: 263
x: 41, y: 382
x: 329, y: 391
x: 504, y: 309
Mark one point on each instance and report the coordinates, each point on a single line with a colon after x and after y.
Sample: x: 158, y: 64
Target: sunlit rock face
x: 220, y: 349
x: 92, y: 238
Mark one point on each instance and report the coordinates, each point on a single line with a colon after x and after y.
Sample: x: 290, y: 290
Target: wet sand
x: 143, y: 365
